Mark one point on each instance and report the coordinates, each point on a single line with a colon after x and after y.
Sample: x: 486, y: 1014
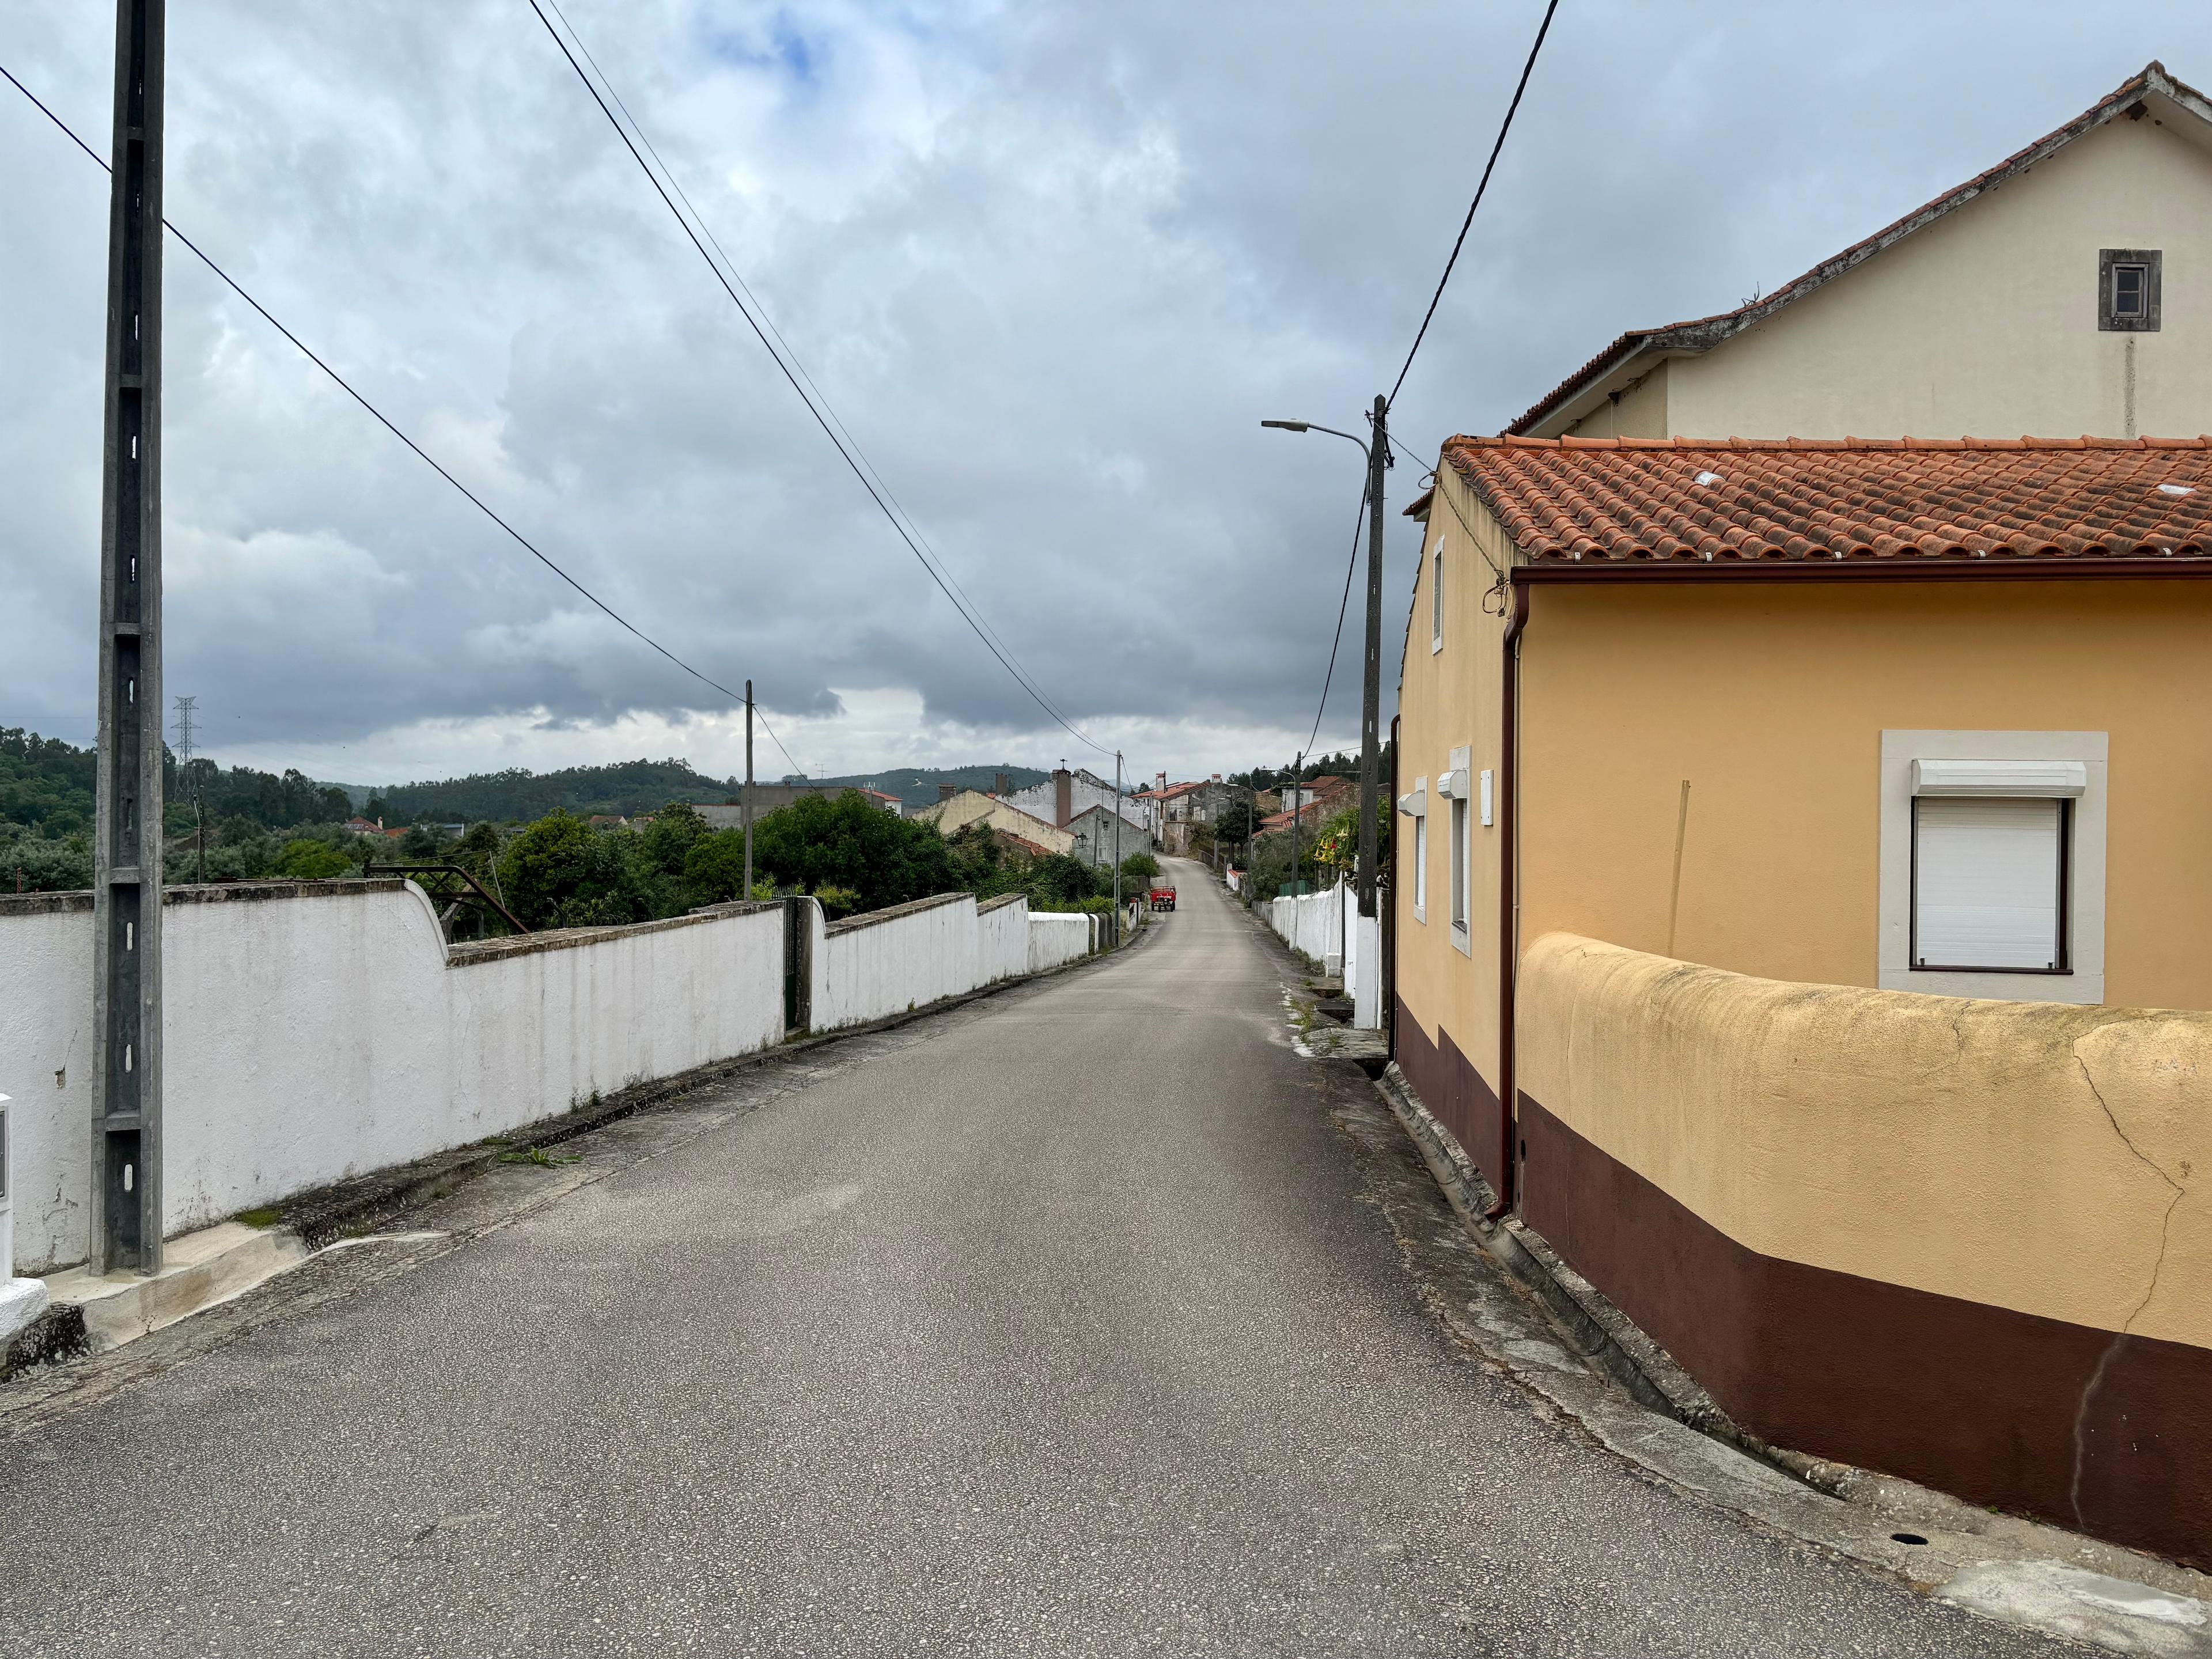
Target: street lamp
x: 1370, y: 749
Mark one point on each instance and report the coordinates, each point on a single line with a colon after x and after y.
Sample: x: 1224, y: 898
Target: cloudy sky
x: 1051, y: 263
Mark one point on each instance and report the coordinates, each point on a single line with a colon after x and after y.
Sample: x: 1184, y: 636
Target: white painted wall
x: 313, y: 1031
x: 1002, y: 930
x: 1313, y: 925
x: 888, y: 961
x: 1984, y: 323
x: 1056, y: 939
x: 1362, y: 966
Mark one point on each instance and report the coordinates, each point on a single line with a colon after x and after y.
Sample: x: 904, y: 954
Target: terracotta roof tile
x: 1905, y: 499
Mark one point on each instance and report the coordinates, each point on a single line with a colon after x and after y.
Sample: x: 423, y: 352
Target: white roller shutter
x: 1986, y: 882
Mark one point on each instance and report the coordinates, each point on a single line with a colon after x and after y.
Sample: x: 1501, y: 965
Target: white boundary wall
x: 316, y: 1031
x: 886, y: 962
x: 313, y: 1030
x: 1002, y: 929
x: 1312, y: 924
x: 1056, y: 938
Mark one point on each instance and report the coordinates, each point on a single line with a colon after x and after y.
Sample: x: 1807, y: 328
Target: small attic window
x: 2128, y: 289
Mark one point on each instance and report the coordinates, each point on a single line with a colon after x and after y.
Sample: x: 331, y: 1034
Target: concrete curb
x: 55, y: 1336
x: 1999, y: 1566
x: 1601, y: 1333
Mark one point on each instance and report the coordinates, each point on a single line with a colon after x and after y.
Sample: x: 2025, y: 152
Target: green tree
x: 1059, y: 882
x: 560, y: 872
x: 714, y: 869
x: 1137, y: 871
x: 850, y: 843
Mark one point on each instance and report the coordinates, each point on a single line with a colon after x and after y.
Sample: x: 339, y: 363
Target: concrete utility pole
x: 1117, y: 846
x: 184, y: 707
x: 1370, y: 713
x: 126, y: 1056
x: 747, y: 814
x: 1297, y: 804
x: 1377, y: 451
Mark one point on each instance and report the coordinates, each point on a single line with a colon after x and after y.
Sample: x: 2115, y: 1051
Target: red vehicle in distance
x: 1161, y: 896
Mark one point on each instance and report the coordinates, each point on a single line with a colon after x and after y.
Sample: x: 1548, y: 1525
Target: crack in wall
x: 2158, y: 1267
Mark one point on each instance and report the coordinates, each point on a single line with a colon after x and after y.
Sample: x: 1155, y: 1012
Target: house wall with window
x: 1777, y: 704
x: 1447, y: 972
x: 1987, y: 322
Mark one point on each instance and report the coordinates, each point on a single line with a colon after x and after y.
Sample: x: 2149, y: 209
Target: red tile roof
x: 1701, y: 333
x: 1565, y: 499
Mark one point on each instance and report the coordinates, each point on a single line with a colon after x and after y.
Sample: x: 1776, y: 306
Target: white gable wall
x: 1985, y: 323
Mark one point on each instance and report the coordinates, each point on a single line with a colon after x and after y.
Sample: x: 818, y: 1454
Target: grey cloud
x: 1052, y: 262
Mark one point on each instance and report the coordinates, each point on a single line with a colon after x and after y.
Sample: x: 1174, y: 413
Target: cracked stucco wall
x: 2035, y: 1157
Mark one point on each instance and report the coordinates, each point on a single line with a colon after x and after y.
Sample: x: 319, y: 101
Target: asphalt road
x: 1063, y: 1330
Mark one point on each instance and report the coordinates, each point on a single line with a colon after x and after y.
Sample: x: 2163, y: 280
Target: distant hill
x: 917, y: 786
x: 633, y: 786
x: 625, y: 788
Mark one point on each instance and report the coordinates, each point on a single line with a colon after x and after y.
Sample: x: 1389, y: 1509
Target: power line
x: 1358, y: 520
x: 821, y: 420
x: 430, y: 460
x: 1504, y: 127
x: 728, y: 267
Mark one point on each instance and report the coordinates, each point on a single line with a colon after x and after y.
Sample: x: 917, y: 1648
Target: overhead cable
x: 1504, y: 127
x: 383, y: 420
x: 814, y: 409
x: 1359, y: 520
x: 728, y: 266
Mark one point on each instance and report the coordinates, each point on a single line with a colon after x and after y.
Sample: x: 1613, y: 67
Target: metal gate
x: 797, y: 1011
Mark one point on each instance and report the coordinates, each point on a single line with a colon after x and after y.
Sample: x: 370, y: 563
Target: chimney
x: 947, y: 791
x: 1062, y: 784
x: 1002, y: 785
x: 1217, y: 777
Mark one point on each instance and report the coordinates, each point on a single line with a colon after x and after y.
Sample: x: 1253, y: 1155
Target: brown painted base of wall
x: 1450, y: 1086
x: 2109, y: 1434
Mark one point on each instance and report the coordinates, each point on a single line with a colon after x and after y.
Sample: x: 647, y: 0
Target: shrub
x: 714, y: 869
x: 837, y: 901
x: 312, y: 860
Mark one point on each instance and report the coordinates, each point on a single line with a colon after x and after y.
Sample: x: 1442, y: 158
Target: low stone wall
x: 317, y: 1029
x: 1964, y: 1241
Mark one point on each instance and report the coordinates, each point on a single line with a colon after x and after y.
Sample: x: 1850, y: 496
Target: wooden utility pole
x: 126, y: 1058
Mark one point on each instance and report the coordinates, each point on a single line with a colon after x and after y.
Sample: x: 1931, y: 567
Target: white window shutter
x: 1986, y: 883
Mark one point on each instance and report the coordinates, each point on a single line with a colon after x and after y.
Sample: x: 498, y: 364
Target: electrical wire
x: 812, y: 408
x: 1344, y: 605
x: 729, y: 266
x: 383, y: 420
x: 1503, y: 128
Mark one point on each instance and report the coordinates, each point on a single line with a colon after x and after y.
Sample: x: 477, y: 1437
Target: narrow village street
x: 1062, y: 1329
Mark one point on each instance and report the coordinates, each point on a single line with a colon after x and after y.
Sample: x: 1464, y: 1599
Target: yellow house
x: 1795, y: 829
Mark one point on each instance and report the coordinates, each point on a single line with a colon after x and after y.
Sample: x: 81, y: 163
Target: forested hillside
x: 625, y: 789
